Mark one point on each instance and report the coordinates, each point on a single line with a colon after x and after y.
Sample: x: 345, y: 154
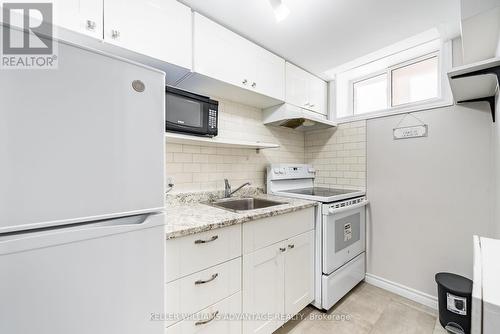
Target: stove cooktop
x: 323, y: 194
x: 320, y: 191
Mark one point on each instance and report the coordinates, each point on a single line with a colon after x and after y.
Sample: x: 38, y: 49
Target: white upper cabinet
x: 305, y: 90
x: 83, y: 16
x: 227, y: 57
x: 160, y: 29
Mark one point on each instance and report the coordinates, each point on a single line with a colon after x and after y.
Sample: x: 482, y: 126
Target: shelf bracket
x: 490, y: 99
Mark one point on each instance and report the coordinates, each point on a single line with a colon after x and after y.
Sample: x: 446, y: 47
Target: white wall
x: 428, y: 196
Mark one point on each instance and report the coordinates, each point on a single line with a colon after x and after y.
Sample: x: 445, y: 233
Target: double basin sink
x: 244, y: 204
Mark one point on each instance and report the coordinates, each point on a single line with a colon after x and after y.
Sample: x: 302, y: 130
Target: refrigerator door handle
x: 16, y: 242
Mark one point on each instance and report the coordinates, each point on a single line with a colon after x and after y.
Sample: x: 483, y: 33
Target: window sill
x: 440, y: 103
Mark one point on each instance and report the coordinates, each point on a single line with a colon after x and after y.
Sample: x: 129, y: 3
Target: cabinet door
x: 299, y: 272
x: 221, y: 54
x: 269, y: 73
x: 317, y: 92
x: 83, y: 16
x: 160, y: 29
x: 263, y: 288
x: 296, y: 86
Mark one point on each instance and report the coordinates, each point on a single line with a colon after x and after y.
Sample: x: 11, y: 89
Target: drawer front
x: 220, y: 318
x: 187, y: 255
x: 264, y: 232
x: 339, y: 283
x: 195, y: 292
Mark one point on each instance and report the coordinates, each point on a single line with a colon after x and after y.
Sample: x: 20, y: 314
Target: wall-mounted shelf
x: 219, y: 142
x: 477, y: 82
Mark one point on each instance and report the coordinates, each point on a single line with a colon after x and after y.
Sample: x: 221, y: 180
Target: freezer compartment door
x: 103, y: 278
x: 339, y: 283
x: 80, y: 142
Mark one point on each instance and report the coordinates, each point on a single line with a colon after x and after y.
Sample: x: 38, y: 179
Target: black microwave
x: 190, y: 113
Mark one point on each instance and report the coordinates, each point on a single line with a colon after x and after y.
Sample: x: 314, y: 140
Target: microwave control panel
x: 212, y: 121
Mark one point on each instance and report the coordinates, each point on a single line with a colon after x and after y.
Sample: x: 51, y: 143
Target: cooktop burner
x: 320, y: 191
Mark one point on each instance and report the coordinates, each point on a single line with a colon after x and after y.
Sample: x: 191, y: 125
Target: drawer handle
x: 214, y: 276
x: 199, y: 241
x: 292, y: 246
x: 203, y: 322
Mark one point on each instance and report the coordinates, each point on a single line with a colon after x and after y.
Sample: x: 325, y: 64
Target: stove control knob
x: 282, y: 171
x: 276, y: 171
x: 312, y: 170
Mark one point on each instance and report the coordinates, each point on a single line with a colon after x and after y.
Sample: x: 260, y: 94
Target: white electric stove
x: 340, y: 229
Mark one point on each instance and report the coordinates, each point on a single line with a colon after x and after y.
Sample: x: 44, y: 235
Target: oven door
x: 343, y: 235
x: 186, y: 115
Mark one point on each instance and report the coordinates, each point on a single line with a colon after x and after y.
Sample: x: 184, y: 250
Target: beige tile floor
x: 367, y: 309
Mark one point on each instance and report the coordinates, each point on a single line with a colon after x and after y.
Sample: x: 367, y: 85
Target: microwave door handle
x: 346, y: 208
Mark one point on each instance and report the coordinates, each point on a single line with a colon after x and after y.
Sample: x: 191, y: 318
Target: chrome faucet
x: 227, y: 188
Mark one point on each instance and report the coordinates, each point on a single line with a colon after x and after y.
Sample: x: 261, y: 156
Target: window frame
x: 444, y: 98
x: 409, y: 63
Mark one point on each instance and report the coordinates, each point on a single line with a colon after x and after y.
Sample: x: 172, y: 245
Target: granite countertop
x: 186, y: 214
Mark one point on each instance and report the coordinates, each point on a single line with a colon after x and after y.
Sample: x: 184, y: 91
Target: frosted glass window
x: 370, y: 94
x: 415, y: 82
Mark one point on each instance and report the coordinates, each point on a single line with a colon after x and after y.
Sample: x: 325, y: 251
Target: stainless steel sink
x: 244, y: 204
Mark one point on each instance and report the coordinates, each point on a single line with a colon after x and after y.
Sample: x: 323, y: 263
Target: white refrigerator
x: 81, y: 197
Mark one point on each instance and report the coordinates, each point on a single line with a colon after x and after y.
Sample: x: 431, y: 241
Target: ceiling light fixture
x: 281, y: 11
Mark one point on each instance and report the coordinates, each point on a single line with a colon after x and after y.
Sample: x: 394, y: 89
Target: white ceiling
x: 322, y: 34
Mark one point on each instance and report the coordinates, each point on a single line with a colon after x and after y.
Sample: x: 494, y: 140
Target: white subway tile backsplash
x: 339, y: 154
x: 197, y: 168
x: 346, y: 147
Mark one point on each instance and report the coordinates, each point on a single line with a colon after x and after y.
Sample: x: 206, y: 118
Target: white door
x: 160, y: 29
x: 299, y: 272
x: 263, y: 288
x: 269, y: 75
x: 83, y: 16
x: 343, y: 235
x: 79, y: 143
x: 317, y: 92
x: 296, y: 86
x: 101, y: 278
x: 221, y: 54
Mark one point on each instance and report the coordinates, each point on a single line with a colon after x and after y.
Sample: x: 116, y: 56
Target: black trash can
x: 455, y: 301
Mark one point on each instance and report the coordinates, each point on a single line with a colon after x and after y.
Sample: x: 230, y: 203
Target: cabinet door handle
x: 292, y: 246
x: 254, y: 85
x: 282, y: 249
x: 199, y: 241
x: 203, y: 322
x: 214, y: 276
x: 245, y: 81
x: 115, y: 34
x: 91, y: 25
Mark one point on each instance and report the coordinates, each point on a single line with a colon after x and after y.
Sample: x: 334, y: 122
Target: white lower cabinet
x: 246, y: 278
x: 220, y: 318
x: 197, y: 291
x: 299, y: 269
x: 263, y: 289
x: 278, y: 282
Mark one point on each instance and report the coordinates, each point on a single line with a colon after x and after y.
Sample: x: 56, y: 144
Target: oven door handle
x: 332, y: 211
